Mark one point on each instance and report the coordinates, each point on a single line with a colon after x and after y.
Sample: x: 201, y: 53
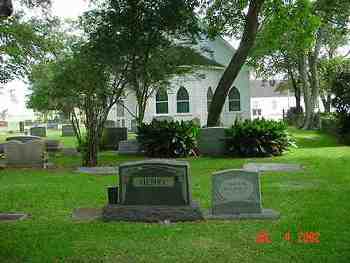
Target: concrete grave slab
x: 273, y: 167
x: 8, y: 217
x: 106, y: 170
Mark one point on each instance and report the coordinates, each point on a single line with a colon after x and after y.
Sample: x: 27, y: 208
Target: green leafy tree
x: 152, y: 37
x: 329, y: 70
x: 341, y: 101
x: 79, y: 85
x: 25, y: 42
x: 294, y: 27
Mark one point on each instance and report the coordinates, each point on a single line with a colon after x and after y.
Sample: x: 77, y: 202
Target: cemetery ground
x: 315, y: 200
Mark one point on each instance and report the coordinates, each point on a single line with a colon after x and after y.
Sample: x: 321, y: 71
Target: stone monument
x: 38, y: 131
x: 28, y: 154
x: 112, y: 136
x: 236, y: 195
x: 153, y: 191
x: 211, y: 141
x: 131, y: 146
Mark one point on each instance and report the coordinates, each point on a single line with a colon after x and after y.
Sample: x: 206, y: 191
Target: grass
x: 314, y: 200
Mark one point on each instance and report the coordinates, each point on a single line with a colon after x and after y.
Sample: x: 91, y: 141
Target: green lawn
x: 314, y: 200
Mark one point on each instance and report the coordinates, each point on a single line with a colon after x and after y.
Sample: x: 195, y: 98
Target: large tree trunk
x: 141, y: 106
x: 297, y: 91
x: 236, y: 63
x: 306, y: 90
x: 91, y: 154
x: 314, y: 83
x: 326, y: 101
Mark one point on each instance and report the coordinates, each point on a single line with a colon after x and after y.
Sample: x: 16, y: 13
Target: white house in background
x: 268, y: 103
x: 189, y: 97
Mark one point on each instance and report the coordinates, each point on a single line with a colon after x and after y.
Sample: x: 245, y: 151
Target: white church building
x: 189, y: 97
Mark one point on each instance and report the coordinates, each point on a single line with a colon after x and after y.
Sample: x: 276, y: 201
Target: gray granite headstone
x: 236, y: 194
x: 29, y: 154
x: 112, y: 136
x: 38, y: 131
x: 155, y: 182
x: 67, y: 130
x: 211, y: 141
x: 154, y: 191
x: 129, y: 147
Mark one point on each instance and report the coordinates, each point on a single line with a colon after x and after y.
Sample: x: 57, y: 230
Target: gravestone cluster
x: 157, y: 190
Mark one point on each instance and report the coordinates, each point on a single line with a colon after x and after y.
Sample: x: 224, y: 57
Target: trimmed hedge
x: 168, y: 139
x: 258, y: 138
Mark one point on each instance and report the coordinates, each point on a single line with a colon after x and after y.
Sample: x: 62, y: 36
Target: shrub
x: 258, y: 138
x: 329, y: 123
x: 341, y: 102
x: 168, y: 139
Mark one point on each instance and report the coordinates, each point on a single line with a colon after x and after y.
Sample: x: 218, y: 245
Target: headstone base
x: 152, y: 214
x: 265, y: 214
